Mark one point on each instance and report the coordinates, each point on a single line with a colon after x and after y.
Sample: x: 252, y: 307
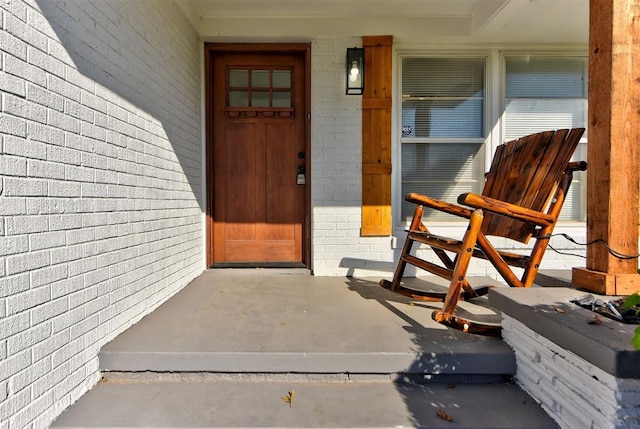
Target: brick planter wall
x: 584, y: 375
x: 576, y: 393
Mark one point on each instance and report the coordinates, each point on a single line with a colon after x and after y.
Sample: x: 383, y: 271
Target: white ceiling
x: 333, y: 8
x: 534, y: 21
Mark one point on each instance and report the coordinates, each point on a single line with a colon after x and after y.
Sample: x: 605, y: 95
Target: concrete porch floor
x: 260, y: 321
x: 346, y: 345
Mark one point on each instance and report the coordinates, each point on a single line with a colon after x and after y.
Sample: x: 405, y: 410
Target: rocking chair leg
x: 416, y: 224
x: 459, y: 273
x: 395, y: 286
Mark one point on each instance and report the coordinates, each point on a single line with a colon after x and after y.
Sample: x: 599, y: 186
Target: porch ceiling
x: 535, y: 21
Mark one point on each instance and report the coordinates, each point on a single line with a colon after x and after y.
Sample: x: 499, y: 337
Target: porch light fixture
x: 355, y: 71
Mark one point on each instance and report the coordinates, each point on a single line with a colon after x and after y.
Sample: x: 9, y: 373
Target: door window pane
x: 260, y: 79
x: 238, y: 98
x: 282, y: 99
x: 282, y: 79
x: 260, y: 99
x: 239, y: 78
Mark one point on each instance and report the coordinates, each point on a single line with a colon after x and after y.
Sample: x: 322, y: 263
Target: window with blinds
x: 443, y: 117
x: 544, y: 93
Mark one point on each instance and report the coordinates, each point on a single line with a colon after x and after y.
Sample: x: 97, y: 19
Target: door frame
x: 210, y: 50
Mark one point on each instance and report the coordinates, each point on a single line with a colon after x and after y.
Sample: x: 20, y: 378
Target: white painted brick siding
x: 336, y: 128
x: 574, y: 392
x: 100, y: 187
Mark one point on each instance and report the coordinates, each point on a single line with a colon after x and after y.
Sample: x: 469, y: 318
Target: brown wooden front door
x: 258, y: 163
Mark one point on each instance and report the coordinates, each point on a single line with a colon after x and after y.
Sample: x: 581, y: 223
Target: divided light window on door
x: 259, y: 92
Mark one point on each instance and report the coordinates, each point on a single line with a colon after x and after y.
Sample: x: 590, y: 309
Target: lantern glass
x: 355, y: 71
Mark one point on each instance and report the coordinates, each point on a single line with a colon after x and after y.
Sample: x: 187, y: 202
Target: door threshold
x: 255, y: 268
x: 245, y: 269
x: 259, y: 265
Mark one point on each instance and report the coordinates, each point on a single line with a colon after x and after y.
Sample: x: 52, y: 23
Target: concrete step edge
x: 214, y: 377
x: 500, y: 362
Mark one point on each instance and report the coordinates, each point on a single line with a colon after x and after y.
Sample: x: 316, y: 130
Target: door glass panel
x: 260, y: 99
x: 239, y: 78
x: 260, y: 78
x: 238, y: 98
x: 262, y: 88
x: 282, y: 99
x: 282, y: 79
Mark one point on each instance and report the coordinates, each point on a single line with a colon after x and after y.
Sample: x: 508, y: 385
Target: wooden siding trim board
x: 376, y: 136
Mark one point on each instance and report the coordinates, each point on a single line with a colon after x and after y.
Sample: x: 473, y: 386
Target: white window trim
x: 494, y: 124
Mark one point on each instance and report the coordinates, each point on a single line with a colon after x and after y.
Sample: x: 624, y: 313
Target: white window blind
x: 443, y: 116
x: 442, y: 171
x: 545, y: 93
x: 443, y: 97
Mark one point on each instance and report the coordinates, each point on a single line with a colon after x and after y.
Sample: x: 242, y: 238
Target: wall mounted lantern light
x: 355, y: 71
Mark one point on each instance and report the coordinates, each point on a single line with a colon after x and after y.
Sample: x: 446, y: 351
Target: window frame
x: 399, y: 225
x: 582, y: 145
x: 495, y: 103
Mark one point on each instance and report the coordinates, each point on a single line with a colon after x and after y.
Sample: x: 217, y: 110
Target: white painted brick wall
x: 574, y: 392
x: 336, y: 130
x: 100, y: 193
x: 336, y: 126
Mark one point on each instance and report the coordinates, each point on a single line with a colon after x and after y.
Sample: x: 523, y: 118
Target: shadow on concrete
x: 446, y: 360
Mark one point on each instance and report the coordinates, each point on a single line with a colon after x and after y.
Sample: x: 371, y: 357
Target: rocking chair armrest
x: 577, y: 166
x: 506, y: 209
x: 440, y: 205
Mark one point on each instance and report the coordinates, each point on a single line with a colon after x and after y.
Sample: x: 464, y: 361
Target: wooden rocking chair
x: 522, y: 197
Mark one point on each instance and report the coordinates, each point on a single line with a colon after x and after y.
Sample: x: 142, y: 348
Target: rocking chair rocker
x: 522, y: 197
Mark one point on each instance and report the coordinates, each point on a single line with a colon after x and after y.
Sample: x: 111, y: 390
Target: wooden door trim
x: 210, y: 50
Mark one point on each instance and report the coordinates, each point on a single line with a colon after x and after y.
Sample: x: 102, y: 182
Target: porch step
x: 207, y: 400
x: 226, y: 349
x: 275, y: 323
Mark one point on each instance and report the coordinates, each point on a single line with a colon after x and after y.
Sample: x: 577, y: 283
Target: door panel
x: 259, y: 209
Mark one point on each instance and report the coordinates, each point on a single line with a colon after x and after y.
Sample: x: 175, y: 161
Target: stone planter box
x: 584, y: 375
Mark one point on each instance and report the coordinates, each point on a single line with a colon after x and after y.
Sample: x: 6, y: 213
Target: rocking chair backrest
x: 526, y: 172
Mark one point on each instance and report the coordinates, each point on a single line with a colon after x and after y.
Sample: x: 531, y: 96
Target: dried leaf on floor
x: 559, y: 310
x: 595, y: 320
x: 444, y: 416
x: 289, y: 398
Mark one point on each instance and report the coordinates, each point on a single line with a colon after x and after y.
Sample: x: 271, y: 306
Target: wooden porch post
x: 613, y: 176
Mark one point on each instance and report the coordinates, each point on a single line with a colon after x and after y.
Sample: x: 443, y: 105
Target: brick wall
x: 100, y: 189
x: 336, y: 163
